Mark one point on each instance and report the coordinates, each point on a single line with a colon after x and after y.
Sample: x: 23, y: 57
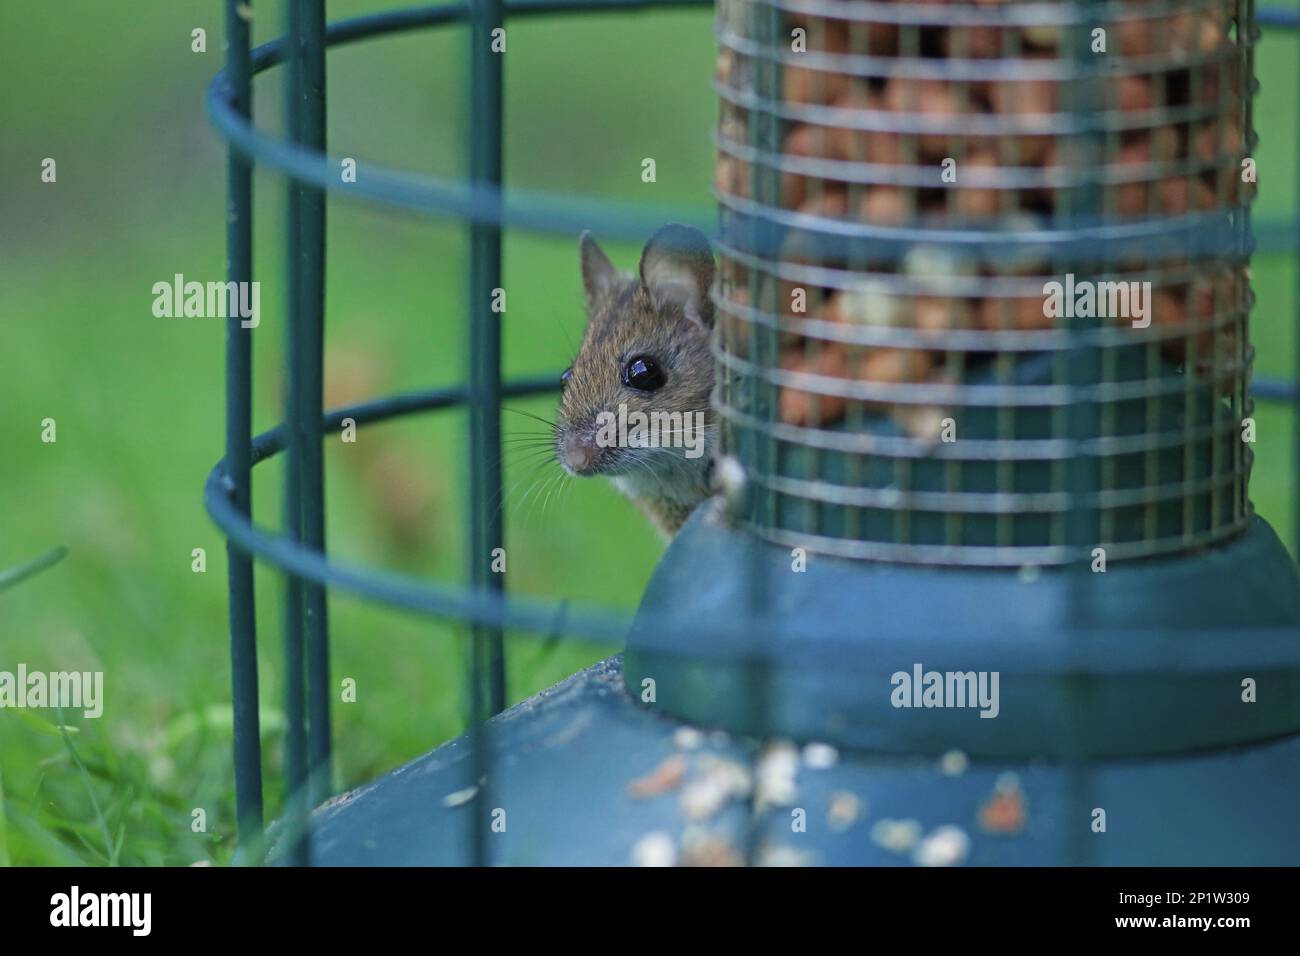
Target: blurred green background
x: 115, y: 94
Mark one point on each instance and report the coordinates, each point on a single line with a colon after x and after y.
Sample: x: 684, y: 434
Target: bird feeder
x: 983, y: 583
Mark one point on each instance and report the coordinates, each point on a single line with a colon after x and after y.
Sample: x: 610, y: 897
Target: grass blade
x: 35, y: 566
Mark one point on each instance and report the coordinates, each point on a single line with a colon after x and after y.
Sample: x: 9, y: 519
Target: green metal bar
x: 1083, y: 422
x: 311, y: 353
x: 765, y: 186
x: 239, y: 423
x: 1243, y: 13
x: 488, y: 692
x: 295, y: 747
x: 1295, y: 398
x: 765, y: 133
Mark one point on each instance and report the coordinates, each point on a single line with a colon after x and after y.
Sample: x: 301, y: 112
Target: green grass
x: 138, y: 400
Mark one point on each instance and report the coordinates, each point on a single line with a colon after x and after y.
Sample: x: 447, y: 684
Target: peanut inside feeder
x: 904, y: 183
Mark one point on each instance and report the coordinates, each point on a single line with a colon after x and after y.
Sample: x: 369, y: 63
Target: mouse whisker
x: 555, y: 486
x: 530, y: 477
x: 538, y: 507
x: 517, y: 456
x: 537, y: 418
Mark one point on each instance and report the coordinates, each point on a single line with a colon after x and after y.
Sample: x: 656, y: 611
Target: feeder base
x: 562, y: 763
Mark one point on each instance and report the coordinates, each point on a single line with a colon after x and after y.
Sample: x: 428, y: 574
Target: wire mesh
x: 972, y: 253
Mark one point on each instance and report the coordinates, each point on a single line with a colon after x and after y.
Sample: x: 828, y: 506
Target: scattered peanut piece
x: 820, y: 756
x: 954, y: 763
x: 709, y: 850
x: 944, y: 846
x: 845, y: 809
x: 1004, y: 812
x: 655, y: 849
x: 897, y: 836
x: 781, y: 855
x: 667, y: 776
x: 774, y: 775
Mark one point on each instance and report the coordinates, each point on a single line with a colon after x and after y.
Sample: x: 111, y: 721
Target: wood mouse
x: 635, y: 406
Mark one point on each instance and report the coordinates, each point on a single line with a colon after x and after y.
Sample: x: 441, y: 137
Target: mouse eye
x: 566, y: 375
x: 643, y: 373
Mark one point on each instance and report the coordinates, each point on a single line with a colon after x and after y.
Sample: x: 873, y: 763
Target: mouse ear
x: 599, y: 277
x: 677, y: 266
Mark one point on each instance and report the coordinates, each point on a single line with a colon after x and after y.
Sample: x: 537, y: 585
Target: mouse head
x: 645, y: 356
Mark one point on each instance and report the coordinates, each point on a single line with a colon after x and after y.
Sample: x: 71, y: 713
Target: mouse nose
x: 577, y: 454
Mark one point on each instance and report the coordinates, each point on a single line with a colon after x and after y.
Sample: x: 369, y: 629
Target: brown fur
x: 664, y: 312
